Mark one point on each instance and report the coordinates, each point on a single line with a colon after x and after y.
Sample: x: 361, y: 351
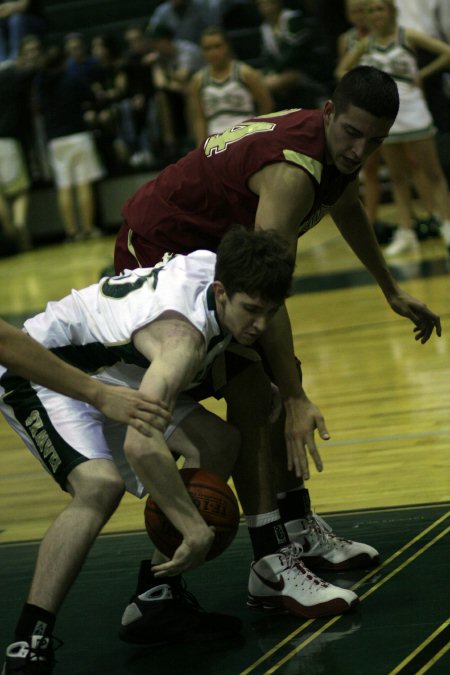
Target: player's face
x: 353, y: 136
x: 245, y: 317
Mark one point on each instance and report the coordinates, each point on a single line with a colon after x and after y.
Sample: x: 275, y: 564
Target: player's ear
x: 219, y: 290
x: 328, y: 112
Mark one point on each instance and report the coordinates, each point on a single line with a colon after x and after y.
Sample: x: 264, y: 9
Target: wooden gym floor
x: 386, y: 481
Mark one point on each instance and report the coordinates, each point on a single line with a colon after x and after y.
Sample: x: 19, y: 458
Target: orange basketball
x: 216, y: 503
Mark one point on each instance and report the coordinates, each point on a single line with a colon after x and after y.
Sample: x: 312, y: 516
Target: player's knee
x: 97, y: 486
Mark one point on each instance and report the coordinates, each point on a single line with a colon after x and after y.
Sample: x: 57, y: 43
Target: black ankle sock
x: 295, y: 504
x: 147, y: 579
x: 34, y: 621
x: 267, y: 539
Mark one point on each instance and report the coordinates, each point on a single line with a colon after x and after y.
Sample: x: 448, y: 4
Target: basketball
x: 216, y: 503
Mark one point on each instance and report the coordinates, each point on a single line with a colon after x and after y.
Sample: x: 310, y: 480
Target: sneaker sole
x: 284, y: 603
x: 360, y: 561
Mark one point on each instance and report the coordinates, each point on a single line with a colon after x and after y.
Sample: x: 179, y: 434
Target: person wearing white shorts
x: 75, y: 164
x: 160, y: 330
x: 62, y: 96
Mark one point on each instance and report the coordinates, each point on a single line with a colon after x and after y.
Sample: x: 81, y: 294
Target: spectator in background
x: 19, y: 18
x: 433, y: 18
x: 79, y: 62
x: 291, y: 58
x: 356, y: 15
x: 390, y: 47
x: 109, y: 85
x: 173, y: 62
x: 187, y: 18
x: 226, y: 91
x: 63, y: 97
x: 16, y: 80
x: 138, y: 119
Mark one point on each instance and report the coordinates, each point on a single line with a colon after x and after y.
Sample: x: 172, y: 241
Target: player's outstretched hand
x: 302, y: 419
x: 186, y: 557
x: 425, y: 321
x: 131, y: 407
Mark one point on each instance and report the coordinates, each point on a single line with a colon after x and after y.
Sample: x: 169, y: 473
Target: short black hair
x: 258, y: 263
x: 367, y: 88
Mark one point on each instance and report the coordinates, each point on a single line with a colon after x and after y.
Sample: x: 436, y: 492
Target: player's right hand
x: 187, y: 556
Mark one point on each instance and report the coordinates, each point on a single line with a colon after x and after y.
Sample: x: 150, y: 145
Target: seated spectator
x: 173, y: 63
x: 19, y: 18
x: 226, y: 91
x: 187, y: 18
x: 109, y: 85
x: 294, y: 70
x: 79, y: 61
x: 63, y: 97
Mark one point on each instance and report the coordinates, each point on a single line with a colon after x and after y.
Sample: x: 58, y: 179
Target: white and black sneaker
x: 30, y: 657
x: 281, y: 581
x: 167, y: 612
x: 324, y: 550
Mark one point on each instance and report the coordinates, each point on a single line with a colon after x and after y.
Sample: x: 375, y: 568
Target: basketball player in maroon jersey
x: 284, y: 170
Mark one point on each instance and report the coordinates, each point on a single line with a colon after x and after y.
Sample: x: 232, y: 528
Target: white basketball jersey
x: 92, y: 328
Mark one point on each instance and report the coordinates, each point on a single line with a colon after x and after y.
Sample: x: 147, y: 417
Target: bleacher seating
x: 91, y: 17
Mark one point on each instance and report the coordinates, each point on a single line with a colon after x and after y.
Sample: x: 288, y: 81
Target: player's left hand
x: 424, y: 320
x: 132, y: 407
x: 302, y: 419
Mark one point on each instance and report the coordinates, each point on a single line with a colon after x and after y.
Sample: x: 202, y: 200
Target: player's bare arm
x: 302, y: 416
x: 286, y: 196
x: 29, y: 359
x: 351, y: 220
x: 175, y: 349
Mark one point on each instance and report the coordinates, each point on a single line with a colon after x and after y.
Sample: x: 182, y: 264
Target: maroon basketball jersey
x: 192, y: 203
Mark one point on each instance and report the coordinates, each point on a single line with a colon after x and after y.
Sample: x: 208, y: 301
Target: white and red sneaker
x: 281, y: 581
x: 324, y: 550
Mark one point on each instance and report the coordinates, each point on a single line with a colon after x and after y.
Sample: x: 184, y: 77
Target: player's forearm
x: 279, y: 351
x: 152, y: 462
x: 29, y: 359
x: 360, y: 236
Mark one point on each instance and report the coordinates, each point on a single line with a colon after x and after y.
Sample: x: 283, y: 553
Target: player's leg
x: 278, y: 577
x: 96, y: 489
x: 207, y: 441
x: 161, y: 609
x: 322, y: 548
x: 66, y: 436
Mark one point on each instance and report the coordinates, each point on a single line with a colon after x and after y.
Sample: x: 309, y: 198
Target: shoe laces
x: 323, y: 531
x: 292, y: 554
x: 44, y: 649
x: 181, y: 593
